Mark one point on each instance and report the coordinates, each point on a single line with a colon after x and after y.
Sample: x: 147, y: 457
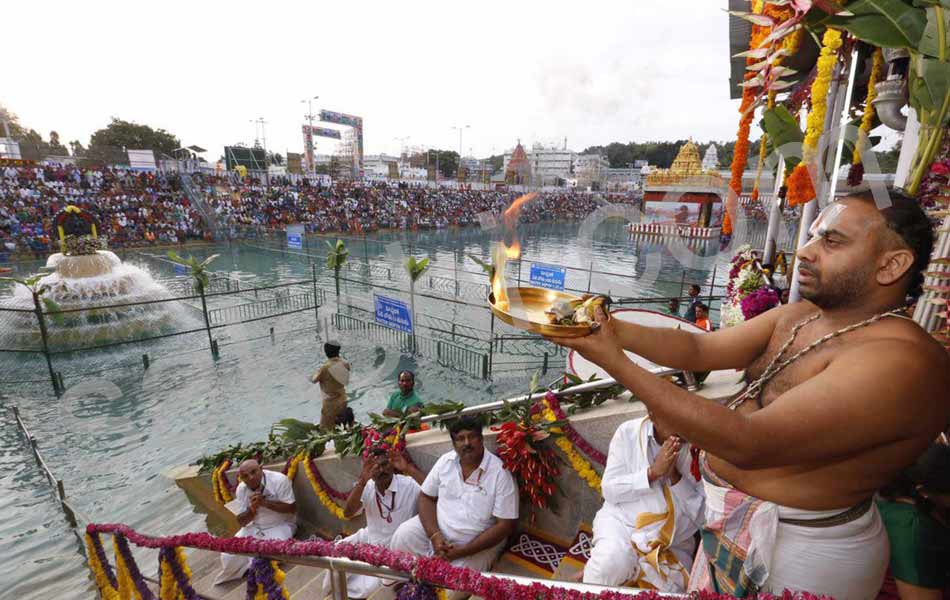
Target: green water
x: 118, y: 426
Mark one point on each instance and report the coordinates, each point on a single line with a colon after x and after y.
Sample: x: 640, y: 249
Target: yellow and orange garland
x: 219, y: 485
x: 580, y: 465
x: 123, y: 576
x: 325, y: 499
x: 168, y: 586
x: 102, y: 580
x: 740, y: 154
x: 800, y: 186
x: 867, y: 119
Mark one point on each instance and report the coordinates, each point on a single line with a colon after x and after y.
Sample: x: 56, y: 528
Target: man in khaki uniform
x: 332, y: 376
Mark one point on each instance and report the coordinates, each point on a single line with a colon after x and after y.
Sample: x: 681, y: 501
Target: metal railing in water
x: 447, y: 354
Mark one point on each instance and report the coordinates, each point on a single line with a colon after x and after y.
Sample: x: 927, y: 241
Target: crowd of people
x: 831, y: 477
x: 147, y: 207
x: 132, y: 207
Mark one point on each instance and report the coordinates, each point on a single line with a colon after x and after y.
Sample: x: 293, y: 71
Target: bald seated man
x: 267, y: 510
x: 845, y: 391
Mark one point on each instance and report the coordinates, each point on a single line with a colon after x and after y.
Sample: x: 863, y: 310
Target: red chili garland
x: 533, y: 464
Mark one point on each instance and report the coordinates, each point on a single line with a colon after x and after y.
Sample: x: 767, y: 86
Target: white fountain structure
x: 109, y: 293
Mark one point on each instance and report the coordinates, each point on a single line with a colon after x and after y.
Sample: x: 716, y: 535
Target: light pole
x: 428, y: 155
x: 460, y: 128
x: 309, y: 150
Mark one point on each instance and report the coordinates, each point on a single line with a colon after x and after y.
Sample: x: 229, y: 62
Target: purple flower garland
x: 579, y: 442
x: 122, y: 545
x: 262, y: 573
x: 417, y: 591
x: 429, y: 569
x: 101, y: 555
x: 757, y: 302
x: 170, y: 556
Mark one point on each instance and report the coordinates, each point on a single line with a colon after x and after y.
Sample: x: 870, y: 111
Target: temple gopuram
x: 518, y: 171
x: 685, y: 200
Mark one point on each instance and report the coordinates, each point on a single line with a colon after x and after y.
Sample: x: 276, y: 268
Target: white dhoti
x: 411, y: 537
x: 844, y: 557
x: 358, y: 586
x: 233, y: 566
x: 648, y: 555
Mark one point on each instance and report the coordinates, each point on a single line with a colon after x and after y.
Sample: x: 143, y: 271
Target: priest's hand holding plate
x: 600, y: 346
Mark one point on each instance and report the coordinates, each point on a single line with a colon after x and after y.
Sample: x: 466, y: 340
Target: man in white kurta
x: 653, y: 506
x: 468, y: 506
x: 388, y: 500
x: 267, y: 510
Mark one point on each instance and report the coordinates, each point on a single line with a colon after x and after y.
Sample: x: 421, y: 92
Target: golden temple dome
x: 687, y: 168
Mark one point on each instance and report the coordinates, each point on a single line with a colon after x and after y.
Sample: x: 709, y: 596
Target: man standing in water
x: 845, y: 392
x: 332, y: 376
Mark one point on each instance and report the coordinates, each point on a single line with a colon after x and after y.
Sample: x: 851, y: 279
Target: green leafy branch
x: 38, y: 290
x: 199, y: 270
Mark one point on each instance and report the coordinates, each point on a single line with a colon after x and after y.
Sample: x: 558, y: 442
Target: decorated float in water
x: 685, y: 200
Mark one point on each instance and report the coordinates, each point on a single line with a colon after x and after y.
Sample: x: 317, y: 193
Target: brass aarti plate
x: 526, y: 308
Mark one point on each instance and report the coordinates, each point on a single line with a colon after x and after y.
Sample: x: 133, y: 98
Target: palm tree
x: 38, y: 290
x: 200, y: 275
x: 415, y: 269
x: 336, y: 257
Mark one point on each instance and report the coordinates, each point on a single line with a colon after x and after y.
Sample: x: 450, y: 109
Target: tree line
x: 106, y: 147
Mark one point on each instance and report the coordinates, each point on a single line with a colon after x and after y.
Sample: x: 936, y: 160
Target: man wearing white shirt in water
x: 268, y: 511
x: 653, y: 506
x: 468, y: 506
x: 388, y: 500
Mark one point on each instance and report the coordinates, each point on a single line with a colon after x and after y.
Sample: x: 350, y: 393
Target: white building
x: 548, y: 165
x: 591, y: 170
x: 377, y: 165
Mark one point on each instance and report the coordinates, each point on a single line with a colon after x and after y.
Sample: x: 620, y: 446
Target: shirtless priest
x: 845, y: 391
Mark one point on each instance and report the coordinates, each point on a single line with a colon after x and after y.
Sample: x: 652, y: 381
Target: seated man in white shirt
x: 468, y: 505
x: 388, y: 500
x: 653, y: 506
x: 268, y: 511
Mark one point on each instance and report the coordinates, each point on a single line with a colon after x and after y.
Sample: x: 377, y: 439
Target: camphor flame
x: 509, y: 249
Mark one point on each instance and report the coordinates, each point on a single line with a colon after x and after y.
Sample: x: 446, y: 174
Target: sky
x: 593, y: 72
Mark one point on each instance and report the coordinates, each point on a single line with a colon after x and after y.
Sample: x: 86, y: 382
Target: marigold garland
x: 126, y: 587
x: 856, y: 173
x: 101, y: 569
x: 579, y: 442
x: 801, y: 191
x: 175, y: 578
x: 578, y: 463
x: 265, y: 580
x: 130, y: 578
x: 290, y: 469
x: 740, y: 156
x: 329, y: 489
x: 325, y: 500
x: 219, y: 483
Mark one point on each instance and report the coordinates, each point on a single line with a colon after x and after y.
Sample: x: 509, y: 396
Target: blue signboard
x: 392, y: 313
x: 295, y: 236
x: 547, y: 276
